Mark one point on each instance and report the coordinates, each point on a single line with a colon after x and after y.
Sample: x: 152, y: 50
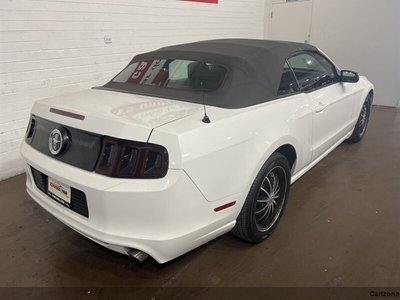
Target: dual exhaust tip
x: 137, y: 255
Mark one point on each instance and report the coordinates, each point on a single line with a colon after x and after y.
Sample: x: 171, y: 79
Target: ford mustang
x: 189, y: 142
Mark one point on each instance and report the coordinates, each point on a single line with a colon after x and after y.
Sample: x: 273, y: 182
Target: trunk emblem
x: 58, y: 141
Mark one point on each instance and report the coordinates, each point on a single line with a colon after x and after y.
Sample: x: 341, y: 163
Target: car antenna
x: 206, y: 119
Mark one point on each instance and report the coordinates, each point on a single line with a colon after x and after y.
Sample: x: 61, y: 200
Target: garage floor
x: 341, y: 228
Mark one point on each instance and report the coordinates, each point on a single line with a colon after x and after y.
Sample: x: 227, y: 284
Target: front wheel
x: 266, y: 201
x: 362, y: 123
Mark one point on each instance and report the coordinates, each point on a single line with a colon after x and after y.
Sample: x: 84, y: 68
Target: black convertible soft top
x: 254, y: 70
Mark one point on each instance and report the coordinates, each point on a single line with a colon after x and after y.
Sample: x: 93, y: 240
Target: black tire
x: 362, y: 122
x: 259, y: 215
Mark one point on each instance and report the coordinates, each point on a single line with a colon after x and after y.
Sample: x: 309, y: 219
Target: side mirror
x: 349, y: 76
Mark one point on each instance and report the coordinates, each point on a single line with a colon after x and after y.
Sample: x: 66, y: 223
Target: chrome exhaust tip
x: 137, y: 255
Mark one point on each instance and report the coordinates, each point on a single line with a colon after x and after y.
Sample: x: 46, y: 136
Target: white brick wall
x: 53, y: 47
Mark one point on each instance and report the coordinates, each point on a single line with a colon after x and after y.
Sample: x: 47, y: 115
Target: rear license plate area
x: 59, y: 191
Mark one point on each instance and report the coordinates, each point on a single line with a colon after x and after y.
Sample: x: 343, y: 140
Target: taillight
x: 107, y: 159
x: 126, y: 159
x: 154, y: 163
x: 127, y: 165
x: 30, y: 131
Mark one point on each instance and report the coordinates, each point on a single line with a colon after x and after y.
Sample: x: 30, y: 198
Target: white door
x: 291, y: 21
x: 332, y: 102
x: 333, y: 107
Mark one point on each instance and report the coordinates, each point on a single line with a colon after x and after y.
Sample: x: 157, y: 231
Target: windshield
x: 174, y: 74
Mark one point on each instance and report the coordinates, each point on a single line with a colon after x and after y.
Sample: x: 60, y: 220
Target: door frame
x: 271, y: 3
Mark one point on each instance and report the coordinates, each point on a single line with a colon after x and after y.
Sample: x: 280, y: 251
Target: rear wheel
x: 266, y: 201
x: 362, y: 123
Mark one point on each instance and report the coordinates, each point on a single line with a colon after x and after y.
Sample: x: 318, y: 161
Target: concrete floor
x: 341, y: 227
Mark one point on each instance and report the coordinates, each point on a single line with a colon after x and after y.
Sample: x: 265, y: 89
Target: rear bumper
x: 163, y: 217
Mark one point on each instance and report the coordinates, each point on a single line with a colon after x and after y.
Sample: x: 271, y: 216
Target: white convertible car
x: 190, y: 142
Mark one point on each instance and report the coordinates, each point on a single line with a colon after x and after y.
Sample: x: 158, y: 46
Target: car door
x: 330, y: 101
x: 300, y: 116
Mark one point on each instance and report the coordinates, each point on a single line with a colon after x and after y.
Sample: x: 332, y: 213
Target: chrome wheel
x: 266, y: 200
x: 271, y: 198
x: 363, y: 120
x: 362, y: 123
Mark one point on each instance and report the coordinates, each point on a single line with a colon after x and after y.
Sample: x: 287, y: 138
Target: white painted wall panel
x: 365, y: 38
x: 360, y: 35
x: 53, y: 47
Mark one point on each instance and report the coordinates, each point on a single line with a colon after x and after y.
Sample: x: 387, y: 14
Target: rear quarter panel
x: 223, y: 157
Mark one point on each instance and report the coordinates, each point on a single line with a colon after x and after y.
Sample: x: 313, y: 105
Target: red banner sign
x: 150, y: 72
x: 204, y: 1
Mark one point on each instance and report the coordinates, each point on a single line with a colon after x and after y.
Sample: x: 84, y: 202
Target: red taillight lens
x: 154, y: 164
x: 128, y: 161
x: 30, y: 131
x: 132, y: 159
x: 108, y: 156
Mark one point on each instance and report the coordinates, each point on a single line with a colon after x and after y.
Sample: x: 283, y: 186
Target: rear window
x: 174, y: 74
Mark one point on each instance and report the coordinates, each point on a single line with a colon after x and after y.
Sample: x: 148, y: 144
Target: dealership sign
x: 204, y: 1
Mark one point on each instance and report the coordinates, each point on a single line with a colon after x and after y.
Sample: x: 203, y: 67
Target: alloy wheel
x: 271, y: 198
x: 363, y: 120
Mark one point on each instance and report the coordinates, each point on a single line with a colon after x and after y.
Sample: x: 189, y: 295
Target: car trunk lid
x: 120, y: 115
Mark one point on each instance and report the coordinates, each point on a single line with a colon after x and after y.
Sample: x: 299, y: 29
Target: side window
x: 312, y: 70
x: 288, y: 83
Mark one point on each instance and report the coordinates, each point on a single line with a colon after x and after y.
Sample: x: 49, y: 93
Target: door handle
x: 320, y: 107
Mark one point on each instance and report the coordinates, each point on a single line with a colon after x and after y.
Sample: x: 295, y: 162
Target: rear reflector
x: 222, y: 207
